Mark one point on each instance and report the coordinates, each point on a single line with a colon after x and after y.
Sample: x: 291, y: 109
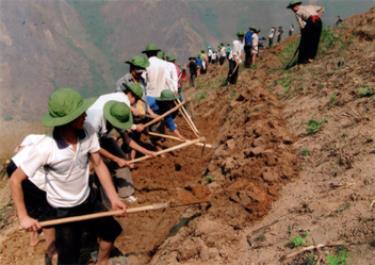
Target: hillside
x: 274, y: 179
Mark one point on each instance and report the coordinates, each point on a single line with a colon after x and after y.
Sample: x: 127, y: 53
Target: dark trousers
x: 247, y: 50
x: 69, y: 237
x: 222, y: 60
x: 193, y: 76
x: 309, y: 43
x: 270, y: 42
x: 233, y: 72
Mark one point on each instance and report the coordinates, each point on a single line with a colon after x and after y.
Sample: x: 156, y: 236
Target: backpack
x: 248, y: 38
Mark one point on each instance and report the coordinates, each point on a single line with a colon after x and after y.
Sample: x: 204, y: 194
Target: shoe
x: 131, y: 199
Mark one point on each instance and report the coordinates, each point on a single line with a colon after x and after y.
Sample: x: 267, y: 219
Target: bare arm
x: 118, y: 160
x: 105, y: 179
x: 140, y: 149
x: 18, y: 197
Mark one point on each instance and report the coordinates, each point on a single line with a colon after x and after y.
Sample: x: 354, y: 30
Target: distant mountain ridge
x: 46, y: 44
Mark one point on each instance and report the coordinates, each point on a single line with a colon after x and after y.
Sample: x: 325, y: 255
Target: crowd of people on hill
x: 73, y: 170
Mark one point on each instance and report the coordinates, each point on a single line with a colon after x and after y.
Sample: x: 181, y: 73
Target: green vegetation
x: 365, y: 91
x: 285, y: 82
x: 287, y: 54
x: 310, y: 260
x: 297, y: 241
x: 305, y: 151
x: 210, y: 178
x: 329, y: 39
x: 333, y: 99
x: 339, y: 258
x: 314, y: 126
x: 201, y: 95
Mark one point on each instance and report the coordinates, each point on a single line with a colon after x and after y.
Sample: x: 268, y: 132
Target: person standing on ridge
x: 222, y: 54
x: 271, y: 35
x: 291, y: 30
x: 248, y: 46
x: 209, y: 54
x: 255, y: 44
x: 308, y: 18
x: 279, y: 34
x: 235, y: 58
x: 193, y: 71
x: 338, y: 21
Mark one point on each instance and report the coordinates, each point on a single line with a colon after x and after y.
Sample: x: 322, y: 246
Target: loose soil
x: 261, y: 190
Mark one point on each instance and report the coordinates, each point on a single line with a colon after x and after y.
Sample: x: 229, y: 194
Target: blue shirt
x: 169, y: 120
x: 249, y: 38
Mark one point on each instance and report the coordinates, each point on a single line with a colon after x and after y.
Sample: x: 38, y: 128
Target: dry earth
x: 269, y: 179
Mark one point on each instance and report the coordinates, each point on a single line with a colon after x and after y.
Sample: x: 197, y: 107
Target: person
x: 103, y: 116
x: 228, y: 50
x: 308, y: 18
x: 204, y: 59
x: 174, y: 71
x: 137, y: 70
x: 209, y: 54
x: 279, y: 34
x: 235, y: 58
x: 271, y: 35
x: 248, y: 47
x: 291, y: 30
x: 199, y: 63
x: 162, y: 104
x: 338, y: 21
x: 255, y: 44
x: 223, y: 54
x: 34, y: 192
x: 214, y: 57
x: 157, y: 72
x: 65, y: 155
x: 193, y: 71
x: 171, y: 58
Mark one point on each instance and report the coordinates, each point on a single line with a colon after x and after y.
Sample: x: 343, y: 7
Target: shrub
x: 365, y: 91
x: 313, y: 126
x: 339, y: 258
x: 297, y: 241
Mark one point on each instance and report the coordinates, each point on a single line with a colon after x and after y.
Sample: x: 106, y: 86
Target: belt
x: 314, y: 18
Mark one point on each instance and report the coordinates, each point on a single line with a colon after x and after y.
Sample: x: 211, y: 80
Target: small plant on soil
x: 333, y: 99
x: 310, y: 259
x: 210, y: 178
x: 313, y: 126
x: 305, y: 151
x: 339, y: 258
x: 365, y: 91
x: 201, y: 95
x: 297, y: 241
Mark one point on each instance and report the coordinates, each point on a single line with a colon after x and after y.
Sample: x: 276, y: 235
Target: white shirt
x: 255, y: 42
x: 158, y: 77
x: 67, y: 182
x: 223, y: 52
x: 173, y: 77
x: 237, y: 49
x: 39, y: 178
x: 304, y: 12
x: 272, y: 33
x: 95, y: 114
x: 210, y: 52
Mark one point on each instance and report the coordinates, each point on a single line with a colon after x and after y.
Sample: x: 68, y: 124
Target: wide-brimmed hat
x: 151, y: 47
x: 240, y: 34
x: 254, y: 29
x: 161, y: 55
x: 64, y: 106
x: 171, y: 57
x: 166, y: 95
x: 293, y: 3
x: 139, y: 61
x: 118, y: 114
x: 136, y: 89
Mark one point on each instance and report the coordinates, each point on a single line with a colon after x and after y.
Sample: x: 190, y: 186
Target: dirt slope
x: 269, y: 179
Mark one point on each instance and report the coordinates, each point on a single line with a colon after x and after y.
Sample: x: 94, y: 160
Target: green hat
x: 240, y: 34
x: 166, y: 95
x: 294, y: 3
x: 139, y: 61
x: 136, y: 89
x: 118, y: 114
x: 64, y: 106
x: 151, y: 47
x: 161, y: 55
x: 171, y: 57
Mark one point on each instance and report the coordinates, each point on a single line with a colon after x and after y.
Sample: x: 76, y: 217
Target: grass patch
x: 333, y: 99
x: 339, y: 258
x: 287, y: 54
x: 297, y: 241
x: 305, y: 151
x: 314, y: 126
x: 210, y: 178
x: 201, y: 95
x: 365, y: 91
x: 285, y: 82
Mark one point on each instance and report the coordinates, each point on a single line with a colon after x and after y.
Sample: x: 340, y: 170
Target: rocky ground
x: 274, y: 184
